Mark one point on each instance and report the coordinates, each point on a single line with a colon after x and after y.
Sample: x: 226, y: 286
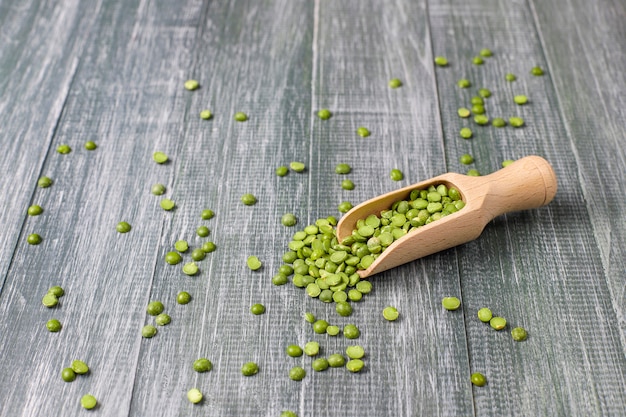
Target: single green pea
x: 537, y: 71
x: 350, y: 331
x: 332, y: 330
x: 148, y: 331
x: 507, y: 162
x: 249, y: 369
x: 203, y: 231
x: 162, y: 319
x: 288, y: 220
x: 173, y: 258
x: 484, y: 315
x: 486, y: 52
x: 519, y: 334
x: 451, y: 303
x: 478, y: 109
x: 123, y: 227
x: 324, y: 114
x: 160, y: 157
x: 390, y: 313
x: 309, y: 318
x: 192, y: 85
x: 478, y: 379
x: 253, y: 263
x: 466, y: 133
x: 68, y: 375
x: 498, y: 122
x: 484, y: 92
x: 355, y: 352
x: 510, y: 77
x: 88, y: 402
x: 44, y: 182
x: 464, y: 112
x: 477, y: 60
x: 280, y: 279
x: 50, y: 300
x: 79, y: 367
x: 155, y: 308
x: 34, y: 239
x: 347, y: 185
x: 64, y: 149
x: 297, y: 373
x: 297, y: 166
x: 294, y: 351
x: 364, y: 287
x: 90, y: 145
x: 190, y: 268
x: 320, y: 364
x: 516, y: 121
x: 312, y: 348
x: 344, y: 207
x: 395, y: 83
x: 202, y: 365
x: 209, y: 247
x: 206, y: 114
x: 396, y: 175
x: 288, y: 413
x: 248, y: 199
x: 56, y: 290
x: 481, y: 119
x: 477, y: 100
x: 198, y: 254
x: 466, y: 159
x: 355, y: 365
x: 441, y: 61
x: 473, y: 173
x: 498, y: 323
x: 336, y: 360
x: 354, y: 294
x: 281, y: 171
x: 53, y: 325
x: 520, y: 99
x: 158, y: 189
x: 257, y: 309
x: 167, y: 204
x: 241, y: 116
x: 183, y: 298
x: 343, y: 308
x: 363, y: 132
x: 320, y: 326
x: 343, y: 168
x: 463, y: 83
x: 181, y: 245
x: 207, y: 214
x: 194, y: 396
x: 34, y: 210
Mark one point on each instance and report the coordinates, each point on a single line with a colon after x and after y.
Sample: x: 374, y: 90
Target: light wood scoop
x: 527, y: 183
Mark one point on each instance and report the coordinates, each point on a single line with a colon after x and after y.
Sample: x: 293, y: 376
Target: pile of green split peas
x: 477, y: 102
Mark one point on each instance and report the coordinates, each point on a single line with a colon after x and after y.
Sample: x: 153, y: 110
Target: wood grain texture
x: 113, y: 72
x: 526, y: 268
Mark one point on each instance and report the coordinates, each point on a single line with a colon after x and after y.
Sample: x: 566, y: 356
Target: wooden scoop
x: 527, y: 183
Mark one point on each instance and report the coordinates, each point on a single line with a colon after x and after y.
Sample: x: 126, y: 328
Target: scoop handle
x: 527, y: 183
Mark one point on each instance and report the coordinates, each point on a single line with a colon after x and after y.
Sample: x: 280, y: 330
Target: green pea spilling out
x: 327, y: 269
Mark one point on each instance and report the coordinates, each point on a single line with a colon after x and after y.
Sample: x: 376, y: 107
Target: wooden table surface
x: 113, y: 72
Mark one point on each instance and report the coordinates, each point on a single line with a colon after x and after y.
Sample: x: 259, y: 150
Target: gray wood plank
x: 127, y: 95
x: 585, y: 52
x: 38, y: 59
x: 540, y: 269
x: 419, y: 365
x: 253, y: 57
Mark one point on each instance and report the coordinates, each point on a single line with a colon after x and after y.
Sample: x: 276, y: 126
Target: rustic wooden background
x: 113, y: 72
